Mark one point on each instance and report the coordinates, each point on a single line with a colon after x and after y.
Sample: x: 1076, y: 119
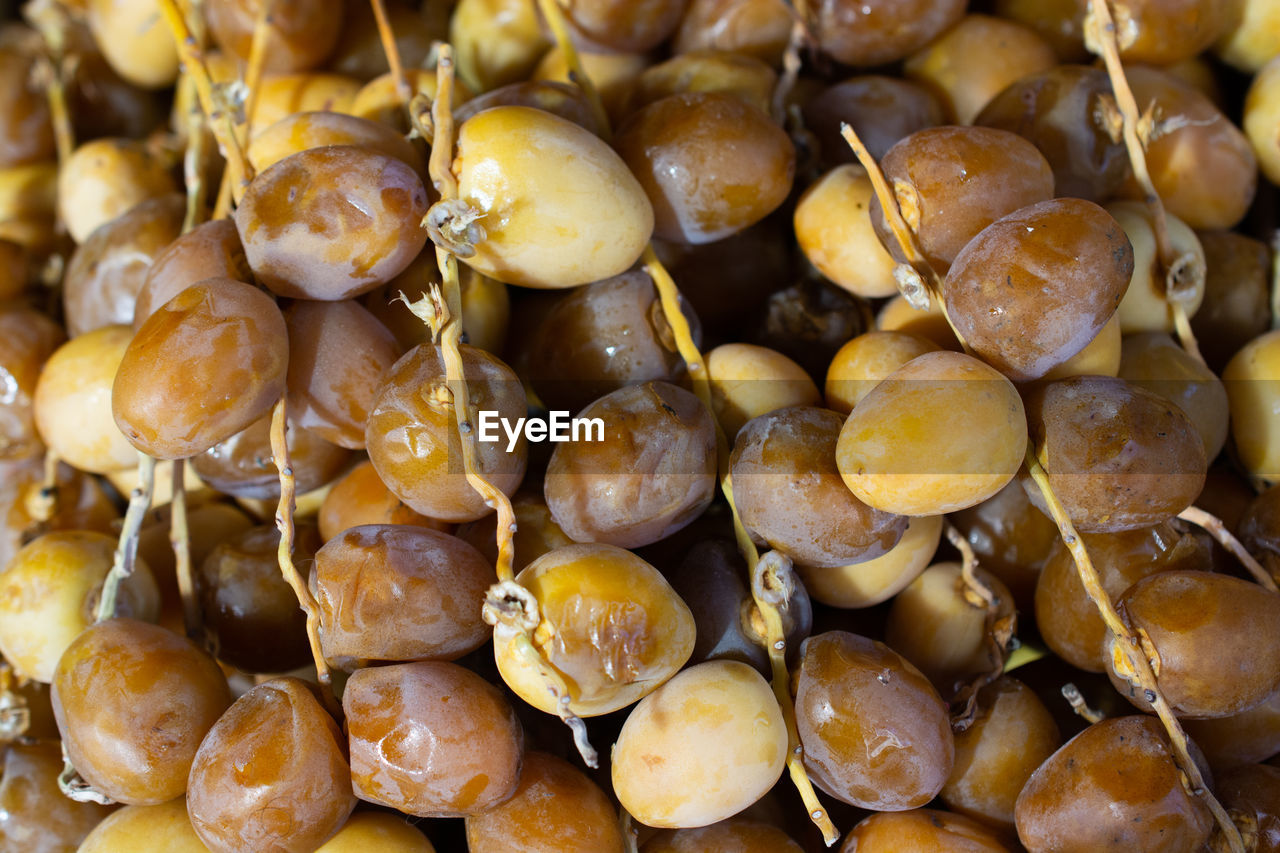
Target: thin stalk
x: 284, y: 553
x: 629, y: 835
x: 998, y: 631
x: 554, y: 17
x: 180, y: 541
x: 1101, y: 38
x: 512, y: 609
x: 1074, y: 698
x: 193, y: 161
x: 507, y: 603
x: 1215, y: 528
x: 902, y: 233
x: 222, y: 207
x: 222, y: 122
x: 792, y: 60
x: 1182, y: 327
x: 392, y: 51
x: 56, y: 91
x: 1129, y: 659
x: 127, y: 546
x: 63, y: 135
x: 669, y: 296
x: 775, y: 645
x: 791, y: 64
x: 969, y: 567
x: 52, y: 21
x: 917, y: 280
x: 253, y: 73
x: 449, y: 317
x: 771, y: 580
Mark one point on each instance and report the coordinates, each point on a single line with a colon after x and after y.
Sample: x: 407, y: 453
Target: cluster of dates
x: 1040, y: 324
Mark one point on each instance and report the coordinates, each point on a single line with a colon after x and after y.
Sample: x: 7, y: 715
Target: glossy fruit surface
x: 210, y: 250
x: 331, y: 223
x: 1059, y: 111
x: 1250, y: 378
x: 163, y: 828
x: 1010, y: 53
x: 835, y: 233
x: 951, y: 182
x: 245, y: 466
x: 1245, y: 738
x: 49, y: 591
x: 544, y: 227
x: 1185, y: 616
x: 739, y: 834
x: 1068, y: 620
x: 360, y: 497
x: 1214, y: 193
x: 1155, y: 361
x: 882, y: 109
x: 413, y: 439
x: 881, y: 31
x: 1142, y: 465
x: 303, y: 130
x: 339, y: 354
x: 34, y: 815
x: 942, y: 433
x: 1146, y: 306
x: 864, y: 361
x: 1012, y: 735
x: 706, y: 745
x: 431, y: 739
x: 392, y: 592
x: 110, y: 268
x: 135, y: 41
x: 270, y: 775
x: 756, y: 28
x: 1253, y: 791
x: 789, y: 491
x: 745, y: 77
x: 133, y: 702
x: 879, y: 579
x: 1011, y: 539
x: 555, y: 806
x: 860, y: 743
x: 29, y: 338
x: 748, y: 381
x: 611, y: 625
x: 626, y: 25
x: 600, y: 337
x: 251, y: 614
x: 652, y: 474
x: 921, y: 829
x: 28, y: 135
x: 941, y: 625
x: 809, y: 409
x: 225, y: 343
x: 1033, y: 288
x: 380, y: 831
x: 1235, y: 292
x: 1115, y: 787
x: 299, y: 35
x: 684, y: 135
